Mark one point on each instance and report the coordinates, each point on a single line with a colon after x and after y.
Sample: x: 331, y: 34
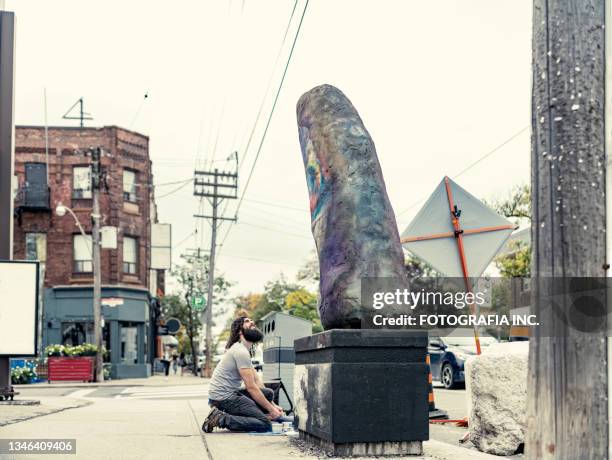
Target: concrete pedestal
x: 363, y: 392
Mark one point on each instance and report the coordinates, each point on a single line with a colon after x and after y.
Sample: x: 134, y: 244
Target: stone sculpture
x: 352, y: 221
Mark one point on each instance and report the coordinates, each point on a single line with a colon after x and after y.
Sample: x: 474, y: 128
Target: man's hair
x: 235, y: 330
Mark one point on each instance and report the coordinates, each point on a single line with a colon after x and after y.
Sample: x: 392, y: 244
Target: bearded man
x: 251, y: 408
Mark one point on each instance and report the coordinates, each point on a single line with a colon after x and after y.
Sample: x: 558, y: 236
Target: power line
x: 250, y: 224
x: 174, y: 191
x: 183, y: 240
x: 276, y: 205
x: 259, y: 260
x: 485, y: 156
x: 172, y: 183
x: 263, y: 100
x: 280, y: 86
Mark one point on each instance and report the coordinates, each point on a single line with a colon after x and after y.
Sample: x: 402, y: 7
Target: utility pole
x: 194, y: 353
x: 216, y: 186
x: 7, y: 57
x: 568, y: 360
x: 96, y: 179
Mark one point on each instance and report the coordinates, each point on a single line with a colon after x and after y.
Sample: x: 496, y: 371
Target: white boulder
x: 496, y: 387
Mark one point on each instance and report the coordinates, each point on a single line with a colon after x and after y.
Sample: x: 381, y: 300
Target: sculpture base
x: 363, y: 392
x: 364, y: 449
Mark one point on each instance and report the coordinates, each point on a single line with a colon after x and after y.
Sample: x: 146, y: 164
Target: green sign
x: 198, y: 302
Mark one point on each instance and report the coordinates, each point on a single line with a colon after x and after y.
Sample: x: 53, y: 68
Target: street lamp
x: 61, y: 211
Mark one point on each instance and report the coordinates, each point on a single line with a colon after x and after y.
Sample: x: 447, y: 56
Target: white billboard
x: 161, y: 244
x: 18, y: 308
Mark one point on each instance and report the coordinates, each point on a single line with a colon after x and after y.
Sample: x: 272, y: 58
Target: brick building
x: 55, y: 169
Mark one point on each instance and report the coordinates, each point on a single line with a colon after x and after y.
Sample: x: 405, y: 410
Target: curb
x: 442, y: 450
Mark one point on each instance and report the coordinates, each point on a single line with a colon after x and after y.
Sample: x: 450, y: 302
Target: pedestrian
x: 251, y: 409
x: 182, y: 362
x: 174, y: 362
x: 166, y: 361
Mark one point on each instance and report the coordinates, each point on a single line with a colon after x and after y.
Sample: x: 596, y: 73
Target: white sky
x: 438, y: 85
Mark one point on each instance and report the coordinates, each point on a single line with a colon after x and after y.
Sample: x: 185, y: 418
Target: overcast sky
x: 439, y: 84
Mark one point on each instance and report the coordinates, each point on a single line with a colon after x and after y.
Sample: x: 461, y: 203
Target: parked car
x: 447, y: 354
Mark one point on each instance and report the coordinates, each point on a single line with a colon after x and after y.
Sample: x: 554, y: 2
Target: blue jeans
x: 242, y: 413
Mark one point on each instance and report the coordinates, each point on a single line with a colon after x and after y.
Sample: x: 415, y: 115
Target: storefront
x: 127, y: 325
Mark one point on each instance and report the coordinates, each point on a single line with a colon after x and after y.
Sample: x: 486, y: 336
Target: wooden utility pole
x: 216, y: 185
x: 568, y: 367
x: 96, y: 179
x: 7, y: 57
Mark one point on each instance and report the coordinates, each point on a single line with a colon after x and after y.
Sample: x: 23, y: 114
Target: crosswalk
x: 165, y: 392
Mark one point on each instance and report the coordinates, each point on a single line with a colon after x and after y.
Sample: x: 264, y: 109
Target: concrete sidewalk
x: 48, y: 405
x: 155, y: 380
x: 117, y: 429
x: 223, y: 445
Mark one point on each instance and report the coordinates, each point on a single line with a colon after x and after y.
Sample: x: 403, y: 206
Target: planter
x: 71, y: 368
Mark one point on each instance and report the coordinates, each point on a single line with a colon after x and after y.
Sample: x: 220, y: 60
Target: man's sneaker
x: 212, y: 420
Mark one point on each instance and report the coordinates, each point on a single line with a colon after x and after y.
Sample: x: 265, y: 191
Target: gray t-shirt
x: 226, y: 378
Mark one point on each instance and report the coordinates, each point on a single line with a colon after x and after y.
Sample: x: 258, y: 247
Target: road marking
x: 81, y: 393
x: 181, y: 391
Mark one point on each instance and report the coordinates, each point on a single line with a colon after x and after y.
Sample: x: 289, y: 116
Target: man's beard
x: 252, y: 335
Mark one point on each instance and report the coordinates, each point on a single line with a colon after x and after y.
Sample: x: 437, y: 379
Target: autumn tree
x: 192, y: 278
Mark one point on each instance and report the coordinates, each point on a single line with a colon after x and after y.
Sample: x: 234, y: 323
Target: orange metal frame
x: 458, y: 234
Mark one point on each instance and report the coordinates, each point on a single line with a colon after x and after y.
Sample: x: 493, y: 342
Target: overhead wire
x: 174, y: 191
x: 268, y: 86
x: 263, y: 138
x: 471, y: 165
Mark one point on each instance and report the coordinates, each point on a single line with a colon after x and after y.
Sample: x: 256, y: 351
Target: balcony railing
x: 33, y: 197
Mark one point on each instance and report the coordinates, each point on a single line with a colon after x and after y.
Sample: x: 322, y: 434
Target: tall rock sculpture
x: 352, y: 221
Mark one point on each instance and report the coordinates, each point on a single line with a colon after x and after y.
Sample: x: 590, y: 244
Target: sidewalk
x: 155, y: 380
x: 223, y: 445
x: 10, y: 414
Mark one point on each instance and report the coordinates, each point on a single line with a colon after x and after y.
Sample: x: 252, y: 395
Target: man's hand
x: 279, y: 408
x: 275, y: 413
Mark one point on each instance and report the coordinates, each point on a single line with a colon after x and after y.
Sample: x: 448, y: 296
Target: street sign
x: 112, y: 301
x: 161, y: 246
x: 455, y: 232
x: 18, y: 308
x: 198, y: 302
x: 173, y: 325
x: 457, y: 235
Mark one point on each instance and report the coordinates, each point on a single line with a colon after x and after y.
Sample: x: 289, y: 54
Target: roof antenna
x: 82, y: 114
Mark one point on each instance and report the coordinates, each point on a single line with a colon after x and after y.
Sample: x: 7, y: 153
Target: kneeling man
x: 249, y: 409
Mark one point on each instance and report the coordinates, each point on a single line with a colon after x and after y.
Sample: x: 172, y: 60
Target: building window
x: 82, y: 254
x: 129, y: 343
x: 36, y: 246
x: 77, y: 333
x: 129, y: 185
x: 81, y: 182
x: 130, y: 255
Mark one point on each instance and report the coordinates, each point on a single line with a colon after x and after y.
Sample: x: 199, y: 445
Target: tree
x: 517, y: 205
x: 273, y: 297
x: 309, y: 272
x: 303, y: 303
x: 175, y: 306
x: 192, y: 277
x: 517, y: 263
